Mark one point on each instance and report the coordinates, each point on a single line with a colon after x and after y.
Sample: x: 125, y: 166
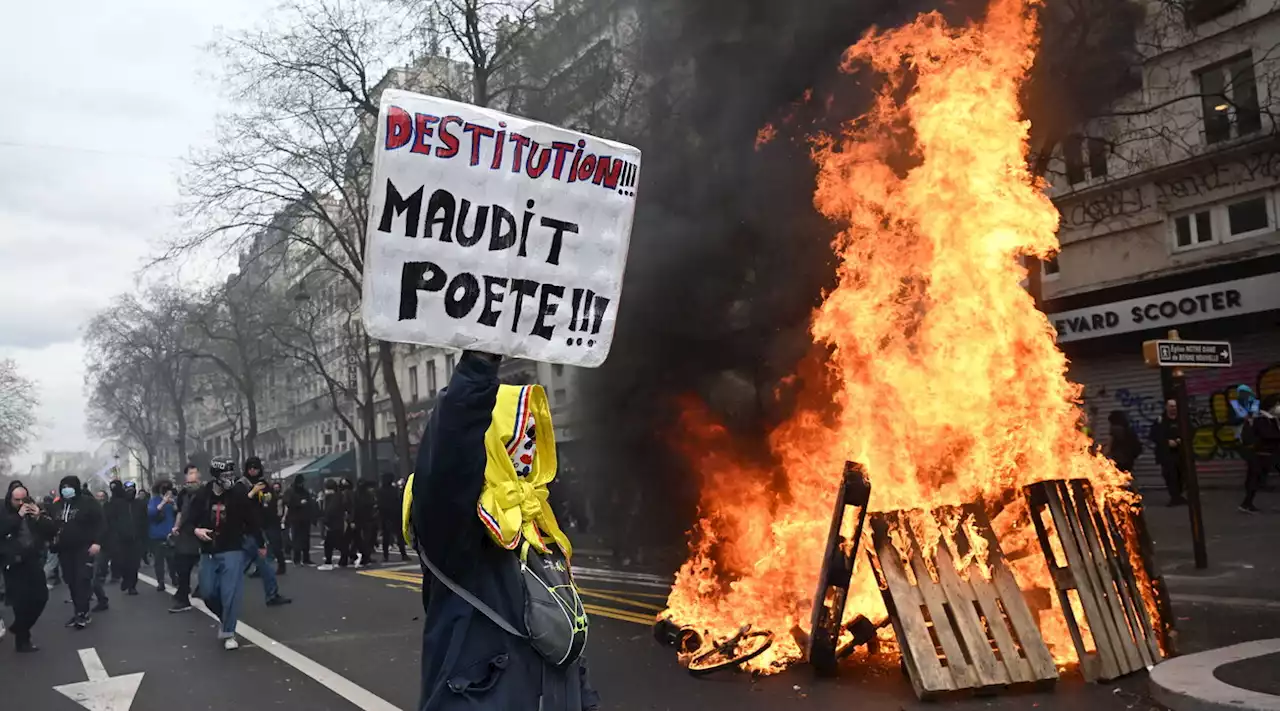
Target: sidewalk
x: 1237, y: 599
x: 1227, y: 616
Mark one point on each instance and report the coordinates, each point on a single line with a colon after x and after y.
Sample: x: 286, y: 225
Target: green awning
x: 330, y: 465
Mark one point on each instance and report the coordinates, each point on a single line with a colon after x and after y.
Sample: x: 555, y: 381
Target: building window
x: 342, y: 435
x: 431, y: 378
x: 1085, y: 158
x: 1049, y: 268
x: 1193, y: 230
x: 561, y: 395
x: 449, y: 361
x: 1229, y: 94
x: 413, y: 383
x: 1248, y: 217
x: 1201, y: 11
x: 328, y: 439
x: 1240, y: 219
x: 557, y: 370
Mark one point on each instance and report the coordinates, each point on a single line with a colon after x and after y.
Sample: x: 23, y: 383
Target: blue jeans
x: 222, y: 587
x: 270, y: 586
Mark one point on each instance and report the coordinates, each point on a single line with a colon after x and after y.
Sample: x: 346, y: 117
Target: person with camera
x: 161, y: 514
x: 263, y: 500
x: 25, y: 533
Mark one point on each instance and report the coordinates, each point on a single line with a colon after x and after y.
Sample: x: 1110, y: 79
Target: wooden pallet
x: 957, y: 631
x: 843, y: 544
x: 1098, y: 574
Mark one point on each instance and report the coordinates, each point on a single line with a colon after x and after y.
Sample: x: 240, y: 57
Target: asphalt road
x: 351, y: 641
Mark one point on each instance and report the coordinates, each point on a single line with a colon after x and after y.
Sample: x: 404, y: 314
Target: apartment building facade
x: 1169, y: 221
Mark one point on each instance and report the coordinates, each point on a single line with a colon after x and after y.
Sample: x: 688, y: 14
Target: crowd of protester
x: 223, y: 528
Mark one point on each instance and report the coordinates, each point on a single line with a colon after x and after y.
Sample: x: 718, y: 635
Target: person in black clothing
x: 268, y: 512
x: 364, y: 523
x: 467, y: 660
x: 222, y: 517
x: 1167, y: 439
x: 1123, y: 445
x: 1260, y: 444
x: 299, y: 514
x: 335, y: 525
x: 390, y: 515
x: 82, y: 527
x: 127, y: 522
x: 186, y: 547
x: 25, y: 532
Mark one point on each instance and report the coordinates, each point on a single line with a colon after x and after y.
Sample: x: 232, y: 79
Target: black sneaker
x: 180, y: 606
x: 160, y: 588
x: 102, y: 606
x: 72, y: 622
x: 278, y: 600
x: 25, y: 646
x: 1249, y: 509
x: 131, y: 591
x: 82, y: 621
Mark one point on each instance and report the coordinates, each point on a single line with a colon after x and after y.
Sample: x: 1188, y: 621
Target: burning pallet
x: 970, y: 629
x: 1096, y: 577
x: 843, y: 543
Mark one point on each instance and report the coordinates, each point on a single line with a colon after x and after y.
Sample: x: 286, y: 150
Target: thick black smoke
x: 728, y: 256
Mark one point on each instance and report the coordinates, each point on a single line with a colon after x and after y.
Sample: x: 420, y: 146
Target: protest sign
x: 495, y: 233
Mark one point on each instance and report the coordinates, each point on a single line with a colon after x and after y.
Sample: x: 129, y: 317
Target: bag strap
x: 462, y: 592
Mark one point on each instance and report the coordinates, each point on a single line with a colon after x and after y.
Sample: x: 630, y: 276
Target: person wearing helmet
x: 221, y: 517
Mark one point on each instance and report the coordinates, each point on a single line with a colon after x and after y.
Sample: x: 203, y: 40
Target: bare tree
x: 234, y: 323
x: 490, y: 36
x: 294, y: 160
x: 17, y: 412
x: 324, y: 341
x: 126, y: 401
x: 154, y: 330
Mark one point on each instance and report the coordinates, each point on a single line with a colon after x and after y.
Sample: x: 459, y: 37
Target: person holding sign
x: 504, y: 628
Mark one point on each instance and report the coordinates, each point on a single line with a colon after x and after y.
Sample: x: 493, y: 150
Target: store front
x: 1102, y: 334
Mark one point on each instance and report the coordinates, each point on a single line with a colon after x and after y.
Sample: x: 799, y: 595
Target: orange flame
x: 948, y: 385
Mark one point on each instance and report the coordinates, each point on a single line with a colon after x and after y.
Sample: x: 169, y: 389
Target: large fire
x: 944, y: 380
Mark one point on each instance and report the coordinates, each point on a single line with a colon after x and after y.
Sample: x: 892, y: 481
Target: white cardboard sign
x: 495, y: 233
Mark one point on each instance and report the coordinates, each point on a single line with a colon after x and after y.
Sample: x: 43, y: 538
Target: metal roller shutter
x: 1123, y: 382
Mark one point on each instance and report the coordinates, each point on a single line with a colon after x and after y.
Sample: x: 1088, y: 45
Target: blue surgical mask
x: 68, y: 492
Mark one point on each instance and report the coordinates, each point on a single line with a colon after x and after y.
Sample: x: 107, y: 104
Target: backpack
x: 553, y: 611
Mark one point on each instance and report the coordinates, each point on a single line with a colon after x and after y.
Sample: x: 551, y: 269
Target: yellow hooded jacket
x: 511, y: 507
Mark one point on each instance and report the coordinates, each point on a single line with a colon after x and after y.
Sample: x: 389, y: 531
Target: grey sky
x: 100, y: 101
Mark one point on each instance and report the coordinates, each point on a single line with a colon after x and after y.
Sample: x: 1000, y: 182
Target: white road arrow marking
x: 102, y: 692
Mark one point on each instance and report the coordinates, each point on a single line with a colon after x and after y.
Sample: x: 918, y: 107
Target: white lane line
x: 338, y: 684
x: 93, y: 667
